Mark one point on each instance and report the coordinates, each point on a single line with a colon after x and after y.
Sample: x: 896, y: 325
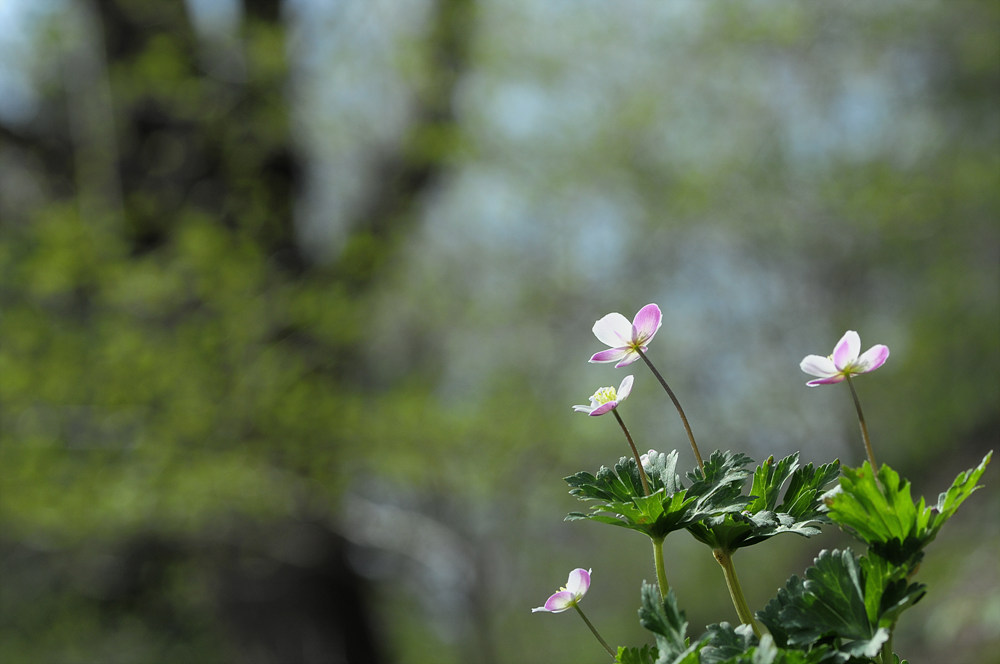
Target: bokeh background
x: 295, y: 298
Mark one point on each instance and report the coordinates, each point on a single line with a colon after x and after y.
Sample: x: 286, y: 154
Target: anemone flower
x: 569, y: 595
x: 626, y: 339
x: 844, y: 362
x: 606, y: 399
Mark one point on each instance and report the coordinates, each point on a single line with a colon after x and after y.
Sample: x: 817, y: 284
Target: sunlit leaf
x: 883, y: 515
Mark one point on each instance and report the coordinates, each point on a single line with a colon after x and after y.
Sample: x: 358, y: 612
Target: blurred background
x: 295, y: 298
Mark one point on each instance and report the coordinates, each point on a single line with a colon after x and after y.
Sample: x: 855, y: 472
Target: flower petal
x: 847, y: 349
x: 613, y: 330
x: 817, y: 365
x: 578, y: 582
x: 870, y: 360
x: 625, y: 388
x: 559, y: 602
x: 646, y: 323
x: 839, y: 378
x: 612, y: 355
x: 630, y: 357
x: 603, y: 408
x: 583, y: 409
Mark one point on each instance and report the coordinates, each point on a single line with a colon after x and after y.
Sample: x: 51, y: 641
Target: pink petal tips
x: 569, y: 595
x: 844, y: 362
x: 626, y: 339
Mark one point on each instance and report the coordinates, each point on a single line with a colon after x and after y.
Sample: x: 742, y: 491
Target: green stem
x: 725, y: 559
x: 677, y: 405
x: 594, y: 630
x: 887, y: 657
x: 661, y: 572
x: 864, y: 427
x: 635, y: 453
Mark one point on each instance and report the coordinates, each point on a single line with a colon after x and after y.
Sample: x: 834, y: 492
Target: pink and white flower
x: 569, y: 595
x: 606, y: 399
x: 844, y: 362
x: 626, y: 339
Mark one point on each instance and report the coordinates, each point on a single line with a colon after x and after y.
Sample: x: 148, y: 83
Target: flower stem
x: 594, y: 630
x: 725, y: 559
x: 677, y: 405
x: 661, y: 572
x: 864, y: 427
x: 886, y: 656
x: 635, y: 453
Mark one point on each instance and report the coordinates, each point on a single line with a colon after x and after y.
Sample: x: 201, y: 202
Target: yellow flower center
x: 604, y: 395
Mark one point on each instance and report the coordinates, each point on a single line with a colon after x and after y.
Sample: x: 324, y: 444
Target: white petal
x: 578, y: 582
x: 613, y: 330
x: 817, y: 365
x: 625, y: 388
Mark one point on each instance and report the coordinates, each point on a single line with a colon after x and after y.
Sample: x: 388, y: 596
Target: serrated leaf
x: 645, y: 655
x: 803, y: 497
x: 661, y: 471
x: 722, y: 641
x: 767, y: 652
x: 667, y: 623
x: 883, y: 515
x: 887, y: 592
x: 833, y: 598
x: 618, y: 496
x: 767, y: 481
x: 722, y: 478
x: 848, y: 602
x: 800, y: 512
x: 961, y: 488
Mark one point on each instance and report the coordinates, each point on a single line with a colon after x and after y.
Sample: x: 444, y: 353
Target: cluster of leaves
x: 801, y: 511
x: 852, y: 604
x: 619, y: 498
x: 720, y: 644
x: 843, y: 609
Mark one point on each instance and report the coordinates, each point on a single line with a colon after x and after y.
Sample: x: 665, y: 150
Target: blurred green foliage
x: 341, y: 269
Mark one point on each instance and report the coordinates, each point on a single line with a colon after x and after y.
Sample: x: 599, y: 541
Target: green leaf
x: 645, y: 655
x: 846, y: 603
x: 721, y: 481
x: 661, y: 471
x: 618, y: 495
x: 768, y: 653
x: 800, y: 511
x: 883, y: 515
x: 723, y: 644
x: 803, y: 497
x: 668, y: 624
x: 722, y: 641
x: 887, y: 593
x: 833, y: 597
x: 961, y: 488
x: 767, y: 481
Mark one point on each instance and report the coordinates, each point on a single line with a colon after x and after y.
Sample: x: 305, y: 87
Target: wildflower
x: 606, y: 399
x: 626, y: 339
x: 569, y: 595
x: 844, y: 362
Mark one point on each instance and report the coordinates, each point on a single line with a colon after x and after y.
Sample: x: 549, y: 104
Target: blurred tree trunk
x: 146, y: 137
